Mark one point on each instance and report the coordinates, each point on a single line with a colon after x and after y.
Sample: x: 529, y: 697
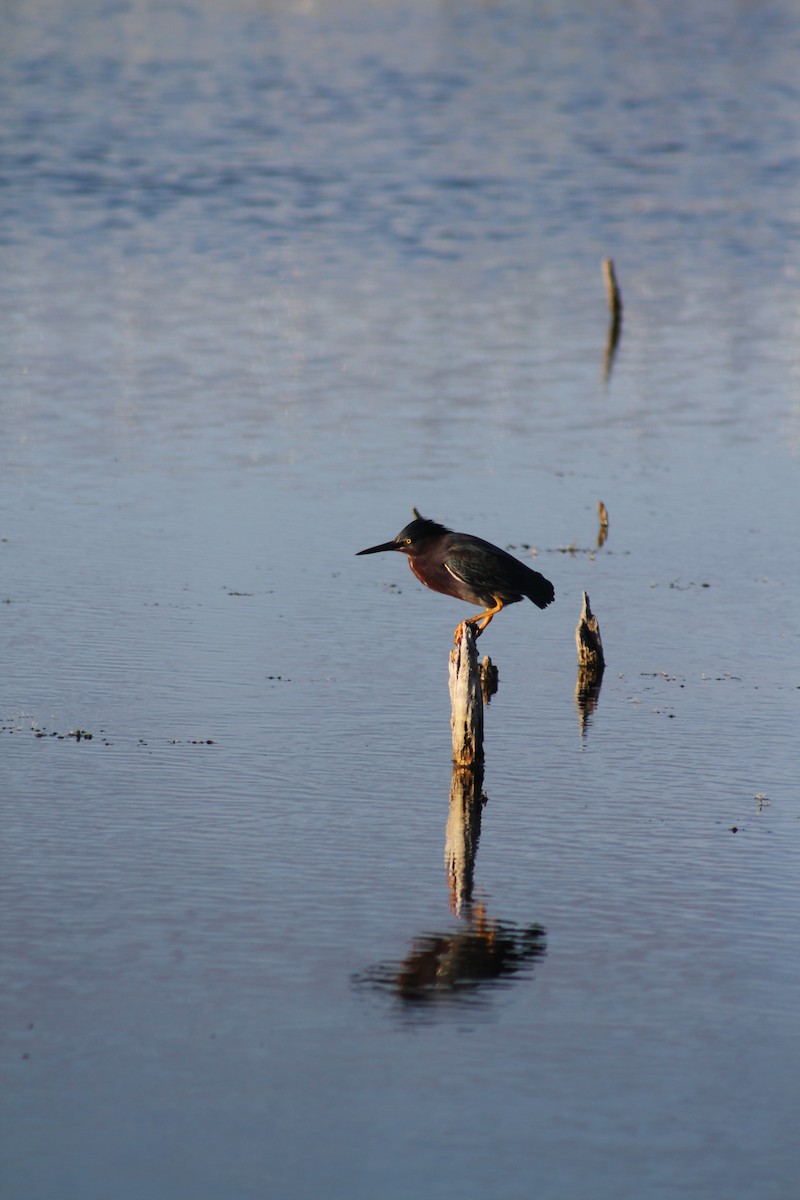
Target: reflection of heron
x: 448, y: 966
x: 468, y: 568
x: 442, y: 966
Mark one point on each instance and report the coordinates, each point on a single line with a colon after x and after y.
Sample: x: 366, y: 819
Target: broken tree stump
x: 490, y: 677
x: 587, y: 638
x: 591, y: 662
x: 466, y: 700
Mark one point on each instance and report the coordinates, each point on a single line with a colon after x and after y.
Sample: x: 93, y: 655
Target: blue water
x: 273, y: 274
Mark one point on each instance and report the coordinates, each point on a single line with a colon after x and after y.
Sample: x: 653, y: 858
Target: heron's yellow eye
x: 408, y: 541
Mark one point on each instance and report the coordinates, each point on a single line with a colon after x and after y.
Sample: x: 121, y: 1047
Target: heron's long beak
x: 383, y: 546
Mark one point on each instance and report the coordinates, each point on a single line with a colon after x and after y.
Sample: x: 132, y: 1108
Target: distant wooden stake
x: 466, y: 701
x: 615, y: 323
x: 602, y: 532
x: 612, y: 287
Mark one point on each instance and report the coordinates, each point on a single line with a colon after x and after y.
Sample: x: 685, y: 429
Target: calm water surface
x: 272, y: 273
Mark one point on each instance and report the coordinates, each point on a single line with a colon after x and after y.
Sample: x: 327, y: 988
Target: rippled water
x: 273, y: 274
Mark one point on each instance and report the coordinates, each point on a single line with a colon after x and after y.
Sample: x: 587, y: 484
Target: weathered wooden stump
x: 588, y: 641
x: 466, y: 699
x: 470, y: 683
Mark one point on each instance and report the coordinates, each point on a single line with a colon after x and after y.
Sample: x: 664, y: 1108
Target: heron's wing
x: 491, y: 572
x: 484, y: 568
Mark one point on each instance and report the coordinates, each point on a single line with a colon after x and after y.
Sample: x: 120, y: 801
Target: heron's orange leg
x: 485, y: 617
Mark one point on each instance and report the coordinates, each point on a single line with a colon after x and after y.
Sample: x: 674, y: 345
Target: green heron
x: 468, y: 568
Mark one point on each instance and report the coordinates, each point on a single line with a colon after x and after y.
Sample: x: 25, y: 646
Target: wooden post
x: 470, y: 682
x: 466, y: 700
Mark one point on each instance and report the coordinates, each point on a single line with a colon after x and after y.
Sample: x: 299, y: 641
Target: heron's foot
x: 476, y: 628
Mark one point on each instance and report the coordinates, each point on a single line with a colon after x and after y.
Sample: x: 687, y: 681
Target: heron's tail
x: 539, y: 590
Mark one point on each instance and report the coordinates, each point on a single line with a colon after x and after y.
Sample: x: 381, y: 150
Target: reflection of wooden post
x: 463, y: 831
x: 466, y: 700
